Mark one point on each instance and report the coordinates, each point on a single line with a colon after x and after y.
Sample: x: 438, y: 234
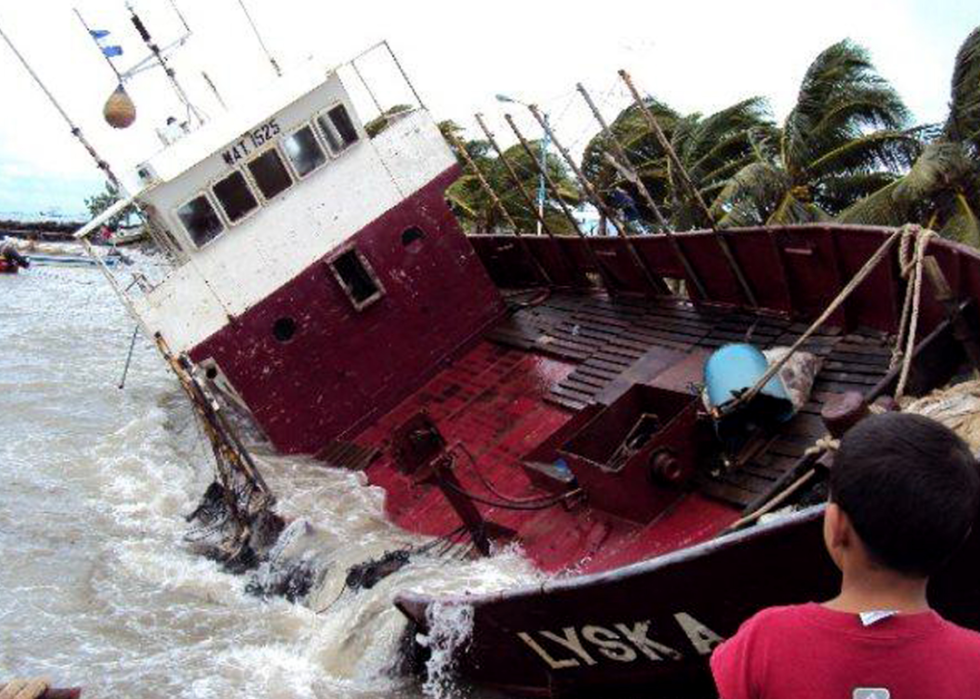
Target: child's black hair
x: 910, y: 487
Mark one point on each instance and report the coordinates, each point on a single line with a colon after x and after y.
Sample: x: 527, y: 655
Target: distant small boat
x: 74, y: 260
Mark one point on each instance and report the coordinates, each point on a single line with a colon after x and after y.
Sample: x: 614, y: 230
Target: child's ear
x: 836, y: 530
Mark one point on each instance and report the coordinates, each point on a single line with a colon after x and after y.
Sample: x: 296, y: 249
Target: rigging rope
x: 911, y: 260
x: 905, y: 232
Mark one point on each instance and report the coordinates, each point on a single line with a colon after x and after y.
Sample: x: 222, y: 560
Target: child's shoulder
x: 775, y: 618
x: 959, y: 638
x: 765, y: 627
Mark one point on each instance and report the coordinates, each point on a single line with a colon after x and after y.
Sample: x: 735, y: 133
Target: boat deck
x: 551, y: 359
x: 604, y: 337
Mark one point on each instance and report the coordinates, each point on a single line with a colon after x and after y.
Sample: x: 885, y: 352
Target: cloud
x: 696, y: 55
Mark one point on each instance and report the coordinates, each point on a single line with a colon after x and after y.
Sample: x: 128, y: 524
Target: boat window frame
x: 325, y: 114
x: 380, y: 291
x: 325, y: 147
x: 184, y: 230
x: 252, y: 188
x: 293, y: 180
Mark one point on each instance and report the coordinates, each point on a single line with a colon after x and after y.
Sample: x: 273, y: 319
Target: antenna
x: 162, y: 59
x: 214, y: 90
x: 275, y: 66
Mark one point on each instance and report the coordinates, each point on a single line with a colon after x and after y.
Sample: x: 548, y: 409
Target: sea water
x: 98, y: 587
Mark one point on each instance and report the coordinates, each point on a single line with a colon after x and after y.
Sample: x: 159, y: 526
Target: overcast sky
x: 697, y: 55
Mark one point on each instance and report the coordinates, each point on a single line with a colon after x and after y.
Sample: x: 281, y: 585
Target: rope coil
x: 911, y: 258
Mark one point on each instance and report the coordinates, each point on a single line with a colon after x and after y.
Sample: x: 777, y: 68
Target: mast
x: 162, y: 60
x: 255, y: 30
x: 75, y: 130
x: 88, y: 30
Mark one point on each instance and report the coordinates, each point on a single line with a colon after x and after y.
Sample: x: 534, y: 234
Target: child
x: 904, y: 493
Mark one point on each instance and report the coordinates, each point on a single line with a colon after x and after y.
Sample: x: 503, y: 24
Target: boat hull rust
x: 653, y: 625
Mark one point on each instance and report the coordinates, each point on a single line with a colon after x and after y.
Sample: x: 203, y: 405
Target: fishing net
x: 957, y: 407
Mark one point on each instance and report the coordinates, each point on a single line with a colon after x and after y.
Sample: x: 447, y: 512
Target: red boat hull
x: 652, y: 625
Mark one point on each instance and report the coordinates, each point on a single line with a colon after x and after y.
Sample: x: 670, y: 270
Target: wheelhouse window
x: 357, y: 279
x: 200, y: 220
x: 270, y: 174
x: 338, y: 128
x: 304, y: 151
x: 235, y: 196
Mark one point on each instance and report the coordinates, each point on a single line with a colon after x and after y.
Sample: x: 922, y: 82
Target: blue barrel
x: 733, y: 369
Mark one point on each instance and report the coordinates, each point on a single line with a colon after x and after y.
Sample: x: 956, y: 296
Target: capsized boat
x: 538, y: 390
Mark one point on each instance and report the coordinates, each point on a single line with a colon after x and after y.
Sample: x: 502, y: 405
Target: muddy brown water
x: 97, y: 586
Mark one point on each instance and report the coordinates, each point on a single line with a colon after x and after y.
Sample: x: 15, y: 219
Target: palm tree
x: 711, y: 148
x: 942, y: 190
x: 475, y: 208
x: 846, y: 137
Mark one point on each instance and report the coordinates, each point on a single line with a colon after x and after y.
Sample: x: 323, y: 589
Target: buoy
x: 119, y: 110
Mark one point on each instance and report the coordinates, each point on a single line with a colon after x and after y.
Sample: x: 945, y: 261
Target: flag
x: 100, y: 36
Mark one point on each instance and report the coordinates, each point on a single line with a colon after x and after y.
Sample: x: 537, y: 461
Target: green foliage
x: 942, y: 188
x: 847, y: 135
x: 846, y: 150
x: 474, y: 207
x: 711, y: 148
x: 98, y: 203
x: 386, y: 119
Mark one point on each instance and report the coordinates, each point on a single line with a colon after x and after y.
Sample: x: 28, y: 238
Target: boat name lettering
x: 255, y: 138
x: 625, y: 643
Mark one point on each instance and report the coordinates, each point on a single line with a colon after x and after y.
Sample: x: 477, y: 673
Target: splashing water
x: 450, y: 630
x: 99, y: 588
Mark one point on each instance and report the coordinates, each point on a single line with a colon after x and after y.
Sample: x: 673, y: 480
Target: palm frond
x: 963, y: 225
x: 838, y: 192
x: 881, y: 208
x: 963, y: 123
x: 793, y: 211
x: 841, y: 97
x: 941, y: 164
x: 894, y: 151
x: 751, y: 196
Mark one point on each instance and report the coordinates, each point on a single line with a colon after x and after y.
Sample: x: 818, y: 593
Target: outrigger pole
x: 514, y: 177
x: 461, y: 148
x: 655, y: 282
x: 75, y: 130
x: 543, y: 171
x: 675, y: 163
x: 623, y: 165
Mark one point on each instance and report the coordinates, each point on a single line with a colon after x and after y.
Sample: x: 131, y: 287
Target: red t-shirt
x: 811, y: 652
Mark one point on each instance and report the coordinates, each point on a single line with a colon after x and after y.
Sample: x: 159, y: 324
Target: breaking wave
x: 102, y: 591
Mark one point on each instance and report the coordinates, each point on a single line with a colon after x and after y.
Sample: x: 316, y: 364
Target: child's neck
x: 871, y: 589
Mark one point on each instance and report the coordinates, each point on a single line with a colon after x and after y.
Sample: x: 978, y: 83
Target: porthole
x: 284, y: 329
x: 211, y: 372
x: 412, y: 235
